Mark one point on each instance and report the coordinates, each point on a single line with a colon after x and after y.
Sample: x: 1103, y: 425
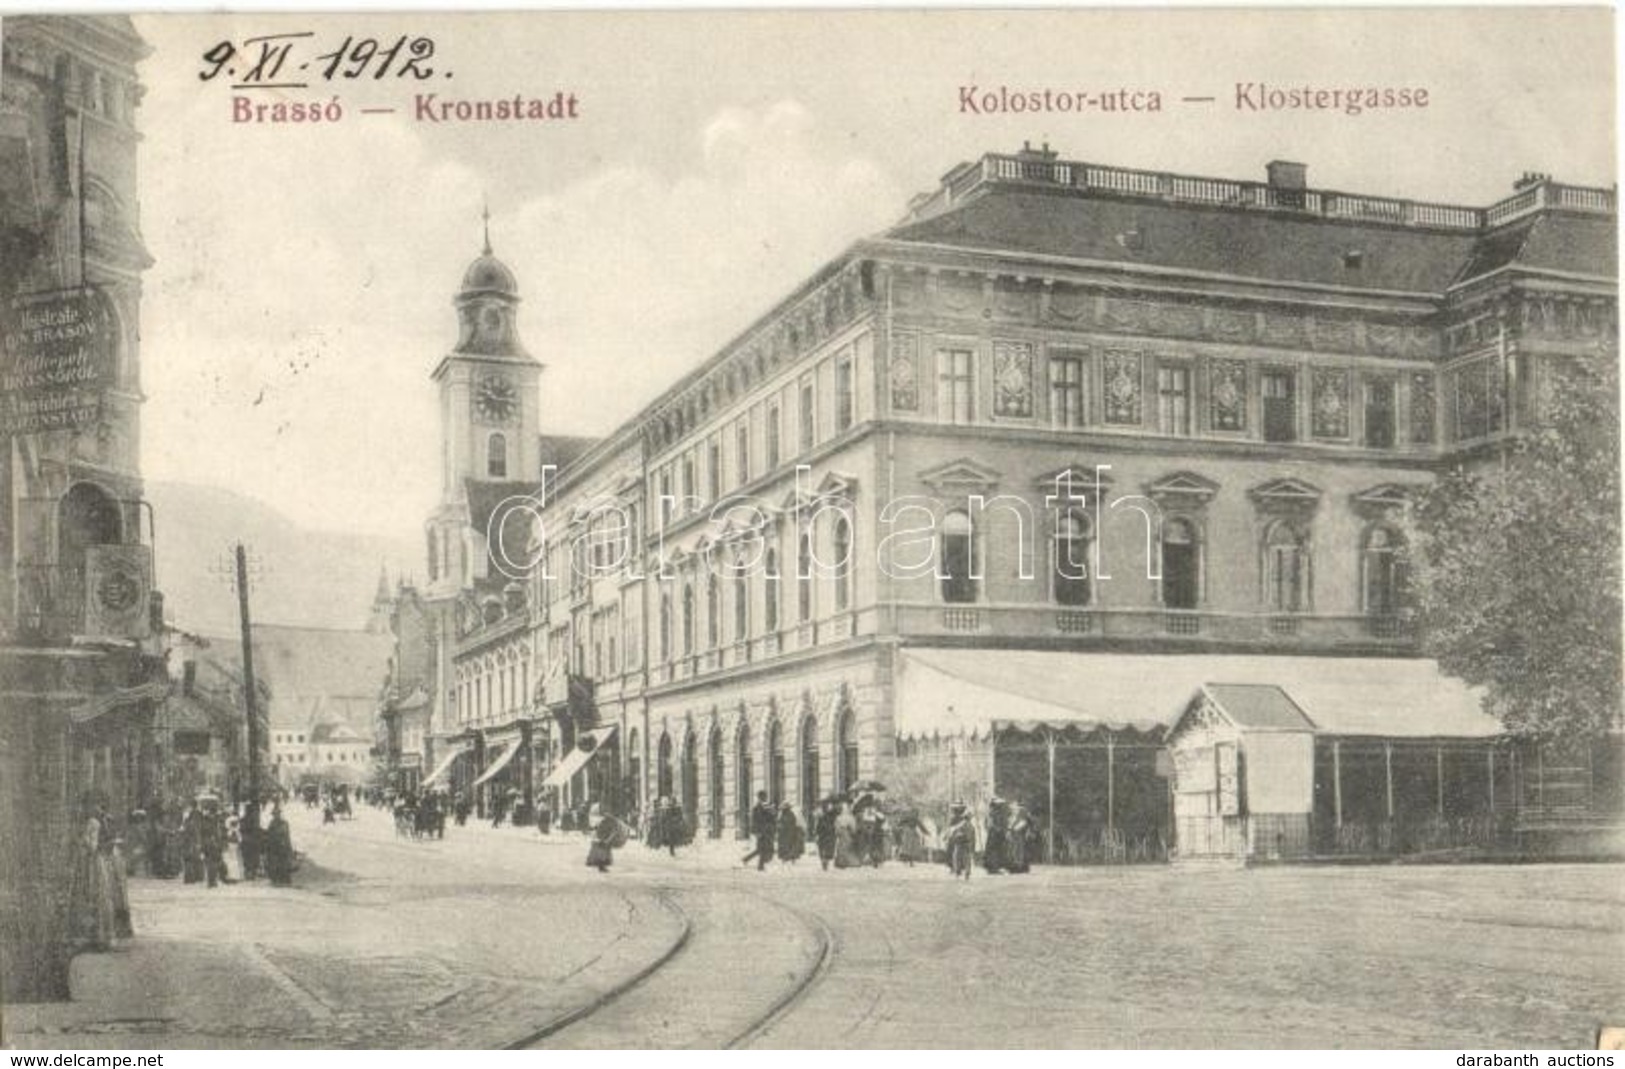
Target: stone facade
x: 1050, y: 410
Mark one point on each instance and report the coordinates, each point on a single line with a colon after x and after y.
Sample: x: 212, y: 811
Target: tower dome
x: 486, y: 303
x: 489, y: 275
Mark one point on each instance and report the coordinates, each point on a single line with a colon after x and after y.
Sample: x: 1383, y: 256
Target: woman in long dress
x: 601, y: 854
x: 90, y: 894
x: 846, y: 839
x: 792, y: 839
x: 279, y: 849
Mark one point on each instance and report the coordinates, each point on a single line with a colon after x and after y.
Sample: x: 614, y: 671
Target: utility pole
x: 250, y: 692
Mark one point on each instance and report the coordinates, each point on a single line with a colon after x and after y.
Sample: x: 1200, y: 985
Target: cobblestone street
x: 501, y: 937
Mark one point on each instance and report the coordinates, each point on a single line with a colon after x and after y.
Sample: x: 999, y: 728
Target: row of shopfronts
x: 1117, y: 757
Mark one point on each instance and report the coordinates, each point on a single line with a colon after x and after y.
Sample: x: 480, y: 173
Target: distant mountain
x: 306, y: 578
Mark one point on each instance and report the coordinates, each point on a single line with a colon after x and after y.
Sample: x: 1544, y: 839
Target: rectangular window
x: 689, y: 485
x: 844, y: 410
x: 1480, y: 399
x: 772, y: 435
x: 1379, y: 413
x: 956, y: 393
x: 1280, y: 406
x: 742, y: 452
x: 807, y: 415
x: 1174, y: 400
x: 1066, y: 391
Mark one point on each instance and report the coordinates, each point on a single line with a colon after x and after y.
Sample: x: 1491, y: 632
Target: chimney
x: 1284, y: 174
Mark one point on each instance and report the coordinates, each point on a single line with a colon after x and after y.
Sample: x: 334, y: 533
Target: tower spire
x: 485, y: 216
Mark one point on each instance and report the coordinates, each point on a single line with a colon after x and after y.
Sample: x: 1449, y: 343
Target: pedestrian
x: 824, y: 833
x: 792, y: 840
x: 118, y: 879
x: 960, y: 841
x: 606, y: 831
x: 994, y: 850
x: 764, y: 823
x: 910, y: 839
x: 191, y: 843
x: 90, y: 898
x: 212, y: 840
x: 673, y: 827
x: 157, y: 848
x: 1019, y: 840
x: 846, y: 838
x: 253, y: 839
x: 278, y: 849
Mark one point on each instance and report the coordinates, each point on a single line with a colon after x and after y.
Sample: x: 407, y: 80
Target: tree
x: 1518, y: 563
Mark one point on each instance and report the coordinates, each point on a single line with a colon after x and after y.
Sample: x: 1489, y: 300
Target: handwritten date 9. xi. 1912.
x: 279, y: 61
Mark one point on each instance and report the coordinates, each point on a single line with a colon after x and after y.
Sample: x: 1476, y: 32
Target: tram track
x: 657, y: 1004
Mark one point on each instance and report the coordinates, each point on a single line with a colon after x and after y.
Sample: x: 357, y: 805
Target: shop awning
x: 587, y: 744
x: 499, y: 764
x: 952, y: 692
x: 441, y: 769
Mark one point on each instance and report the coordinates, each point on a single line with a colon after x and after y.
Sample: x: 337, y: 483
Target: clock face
x: 495, y: 399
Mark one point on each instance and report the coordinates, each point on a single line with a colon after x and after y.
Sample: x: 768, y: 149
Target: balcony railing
x: 1105, y: 624
x: 1046, y: 170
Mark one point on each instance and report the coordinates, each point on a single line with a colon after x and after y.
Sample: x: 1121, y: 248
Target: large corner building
x: 1081, y: 485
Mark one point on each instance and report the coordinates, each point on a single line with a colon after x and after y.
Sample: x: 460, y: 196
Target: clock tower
x: 488, y: 416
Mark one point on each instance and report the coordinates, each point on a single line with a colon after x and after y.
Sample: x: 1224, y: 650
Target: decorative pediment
x: 837, y: 484
x: 1383, y: 500
x: 1286, y: 495
x: 795, y: 501
x: 1182, y: 489
x: 1076, y: 480
x: 960, y: 476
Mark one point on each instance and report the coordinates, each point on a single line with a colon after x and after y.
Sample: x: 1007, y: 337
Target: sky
x: 304, y: 276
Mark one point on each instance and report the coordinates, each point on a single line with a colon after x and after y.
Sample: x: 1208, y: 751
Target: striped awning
x: 589, y: 743
x: 498, y: 765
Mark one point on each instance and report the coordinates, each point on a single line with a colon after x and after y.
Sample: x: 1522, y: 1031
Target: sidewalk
x: 402, y: 950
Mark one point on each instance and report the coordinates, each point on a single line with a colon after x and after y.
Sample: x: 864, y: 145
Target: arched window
x: 715, y: 778
x: 957, y: 563
x: 775, y: 762
x: 496, y: 455
x: 688, y: 619
x: 809, y: 766
x: 743, y: 781
x: 690, y: 778
x: 713, y: 612
x: 1070, y: 575
x: 663, y: 768
x: 843, y: 564
x: 88, y: 517
x: 665, y: 625
x: 1383, y: 572
x: 770, y: 592
x: 1286, y: 567
x: 846, y: 746
x: 1181, y: 565
x: 804, y: 576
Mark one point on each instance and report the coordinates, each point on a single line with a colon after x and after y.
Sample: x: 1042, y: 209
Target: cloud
x: 304, y: 282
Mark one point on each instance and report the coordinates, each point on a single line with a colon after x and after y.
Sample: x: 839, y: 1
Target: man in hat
x: 824, y: 832
x: 212, y: 838
x: 764, y: 823
x: 960, y: 840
